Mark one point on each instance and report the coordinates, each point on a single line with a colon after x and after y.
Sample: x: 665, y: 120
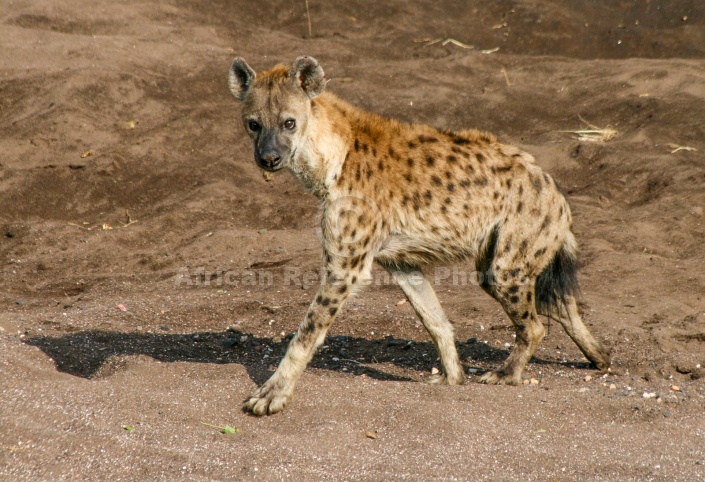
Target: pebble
x: 649, y: 395
x: 277, y: 339
x: 534, y: 381
x: 335, y: 359
x: 588, y: 378
x: 21, y: 302
x: 675, y: 388
x: 666, y: 414
x: 472, y: 371
x: 583, y: 390
x: 613, y: 386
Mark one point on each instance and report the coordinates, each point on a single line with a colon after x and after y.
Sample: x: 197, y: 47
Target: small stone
x: 21, y: 302
x: 277, y: 339
x: 584, y: 390
x: 666, y: 414
x: 434, y: 371
x: 587, y: 378
x: 526, y: 382
x: 262, y: 231
x: 613, y: 386
x: 675, y: 388
x: 534, y: 381
x: 335, y: 359
x: 243, y: 338
x: 648, y: 395
x: 472, y: 371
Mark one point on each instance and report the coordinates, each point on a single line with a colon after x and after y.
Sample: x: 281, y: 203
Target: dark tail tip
x: 557, y: 281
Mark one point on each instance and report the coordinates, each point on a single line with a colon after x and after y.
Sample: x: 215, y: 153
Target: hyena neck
x: 321, y: 154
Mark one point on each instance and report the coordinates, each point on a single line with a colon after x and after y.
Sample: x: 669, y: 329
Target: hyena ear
x: 240, y: 78
x: 308, y: 74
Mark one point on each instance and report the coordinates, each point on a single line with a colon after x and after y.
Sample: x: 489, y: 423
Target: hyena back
x: 407, y: 195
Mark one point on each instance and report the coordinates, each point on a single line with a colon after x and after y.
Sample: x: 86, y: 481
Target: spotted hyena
x: 407, y: 195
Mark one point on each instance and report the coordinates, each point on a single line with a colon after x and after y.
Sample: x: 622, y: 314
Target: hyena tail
x: 558, y: 283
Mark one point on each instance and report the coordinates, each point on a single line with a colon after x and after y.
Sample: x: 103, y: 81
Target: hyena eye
x: 290, y: 123
x: 253, y: 125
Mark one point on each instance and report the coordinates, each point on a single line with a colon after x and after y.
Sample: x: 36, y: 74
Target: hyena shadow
x: 97, y: 354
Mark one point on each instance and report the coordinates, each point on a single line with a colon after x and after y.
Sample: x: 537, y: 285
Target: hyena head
x: 276, y: 106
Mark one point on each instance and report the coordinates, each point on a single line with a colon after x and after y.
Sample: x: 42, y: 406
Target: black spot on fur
x: 408, y: 177
x: 521, y: 189
x: 557, y: 281
x: 480, y: 157
x: 451, y: 158
x: 465, y: 183
x: 392, y: 152
x: 514, y: 299
x: 365, y: 148
x: 447, y: 200
x: 411, y: 144
x: 410, y: 162
x: 449, y: 175
x: 333, y: 311
x: 380, y: 166
x: 436, y: 180
x: 502, y: 169
x: 513, y: 290
x: 357, y: 145
x: 358, y: 173
x: 423, y: 139
x: 481, y: 181
x: 539, y: 253
x: 538, y: 185
x: 444, y: 209
x: 509, y: 183
x: 428, y: 195
x: 525, y: 315
x: 309, y: 328
x: 520, y: 207
x: 546, y: 222
x: 430, y: 160
x: 451, y: 186
x: 319, y: 298
x: 343, y: 289
x: 325, y: 302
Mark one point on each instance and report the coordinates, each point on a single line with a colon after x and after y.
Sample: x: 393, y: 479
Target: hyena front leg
x: 423, y: 298
x: 274, y: 395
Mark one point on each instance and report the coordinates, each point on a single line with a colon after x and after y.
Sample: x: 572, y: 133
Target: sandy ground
x: 150, y: 275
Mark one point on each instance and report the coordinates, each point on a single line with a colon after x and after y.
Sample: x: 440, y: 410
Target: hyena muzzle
x: 406, y: 196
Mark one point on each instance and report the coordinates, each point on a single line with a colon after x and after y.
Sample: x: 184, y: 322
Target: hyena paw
x: 442, y: 379
x: 269, y: 399
x: 500, y: 377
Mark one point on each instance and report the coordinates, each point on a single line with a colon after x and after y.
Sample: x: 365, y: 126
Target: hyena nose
x: 271, y: 159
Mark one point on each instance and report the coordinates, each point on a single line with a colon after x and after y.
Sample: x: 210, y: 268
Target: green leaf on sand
x: 226, y: 429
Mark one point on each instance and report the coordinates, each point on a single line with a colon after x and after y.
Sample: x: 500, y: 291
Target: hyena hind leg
x: 521, y: 309
x: 566, y: 313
